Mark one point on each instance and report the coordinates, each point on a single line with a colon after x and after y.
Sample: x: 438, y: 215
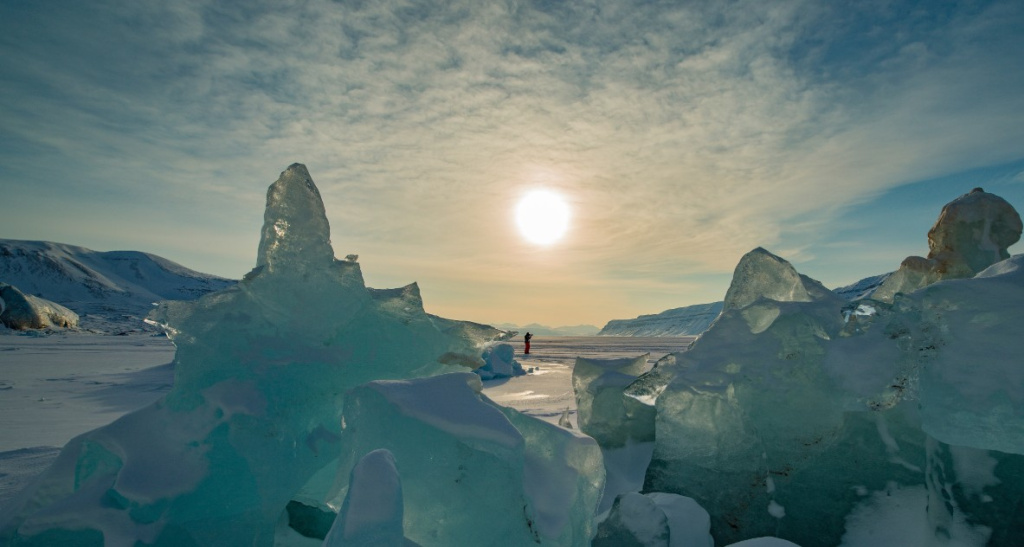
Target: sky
x: 682, y: 134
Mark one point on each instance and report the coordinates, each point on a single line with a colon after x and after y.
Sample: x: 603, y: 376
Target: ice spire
x: 760, y: 274
x: 295, y: 228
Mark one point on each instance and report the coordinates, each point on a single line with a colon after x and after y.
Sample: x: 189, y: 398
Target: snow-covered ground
x: 55, y: 387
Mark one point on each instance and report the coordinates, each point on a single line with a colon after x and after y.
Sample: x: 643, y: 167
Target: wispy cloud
x: 685, y: 134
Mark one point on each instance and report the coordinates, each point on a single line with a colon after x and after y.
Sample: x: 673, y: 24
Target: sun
x: 542, y: 217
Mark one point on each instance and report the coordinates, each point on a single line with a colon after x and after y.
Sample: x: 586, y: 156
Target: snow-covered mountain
x: 110, y: 291
x: 685, y: 321
x: 693, y: 320
x: 862, y: 288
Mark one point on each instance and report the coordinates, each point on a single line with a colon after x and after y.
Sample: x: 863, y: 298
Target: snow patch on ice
x: 897, y: 517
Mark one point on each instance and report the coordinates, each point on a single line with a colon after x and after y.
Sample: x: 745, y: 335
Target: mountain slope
x: 110, y: 291
x: 862, y: 288
x: 685, y: 321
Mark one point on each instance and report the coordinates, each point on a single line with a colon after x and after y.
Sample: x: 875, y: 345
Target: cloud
x: 685, y: 134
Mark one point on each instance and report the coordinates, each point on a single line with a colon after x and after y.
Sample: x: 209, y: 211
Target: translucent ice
x: 474, y: 473
x: 603, y: 411
x: 655, y: 519
x: 622, y: 425
x: 634, y: 520
x: 295, y: 235
x: 972, y: 389
x: 752, y: 425
x: 261, y: 372
x: 784, y: 414
x: 373, y: 509
x: 974, y: 232
x: 762, y: 275
x: 974, y: 495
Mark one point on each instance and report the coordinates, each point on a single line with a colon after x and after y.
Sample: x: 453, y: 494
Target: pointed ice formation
x: 295, y: 231
x: 761, y: 274
x: 261, y: 372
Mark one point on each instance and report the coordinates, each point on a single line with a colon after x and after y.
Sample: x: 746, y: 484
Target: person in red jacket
x: 527, y: 340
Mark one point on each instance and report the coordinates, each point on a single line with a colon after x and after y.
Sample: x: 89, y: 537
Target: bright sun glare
x: 542, y: 217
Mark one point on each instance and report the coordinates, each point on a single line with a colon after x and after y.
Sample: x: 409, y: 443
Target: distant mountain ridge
x: 544, y: 330
x: 110, y: 291
x: 693, y: 320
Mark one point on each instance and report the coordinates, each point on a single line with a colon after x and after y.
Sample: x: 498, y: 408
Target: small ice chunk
x: 635, y: 519
x: 689, y: 524
x: 603, y: 411
x: 499, y: 362
x: 564, y: 420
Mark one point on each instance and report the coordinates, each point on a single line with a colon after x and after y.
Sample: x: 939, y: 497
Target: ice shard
x: 603, y: 411
x: 261, y: 372
x: 295, y: 234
